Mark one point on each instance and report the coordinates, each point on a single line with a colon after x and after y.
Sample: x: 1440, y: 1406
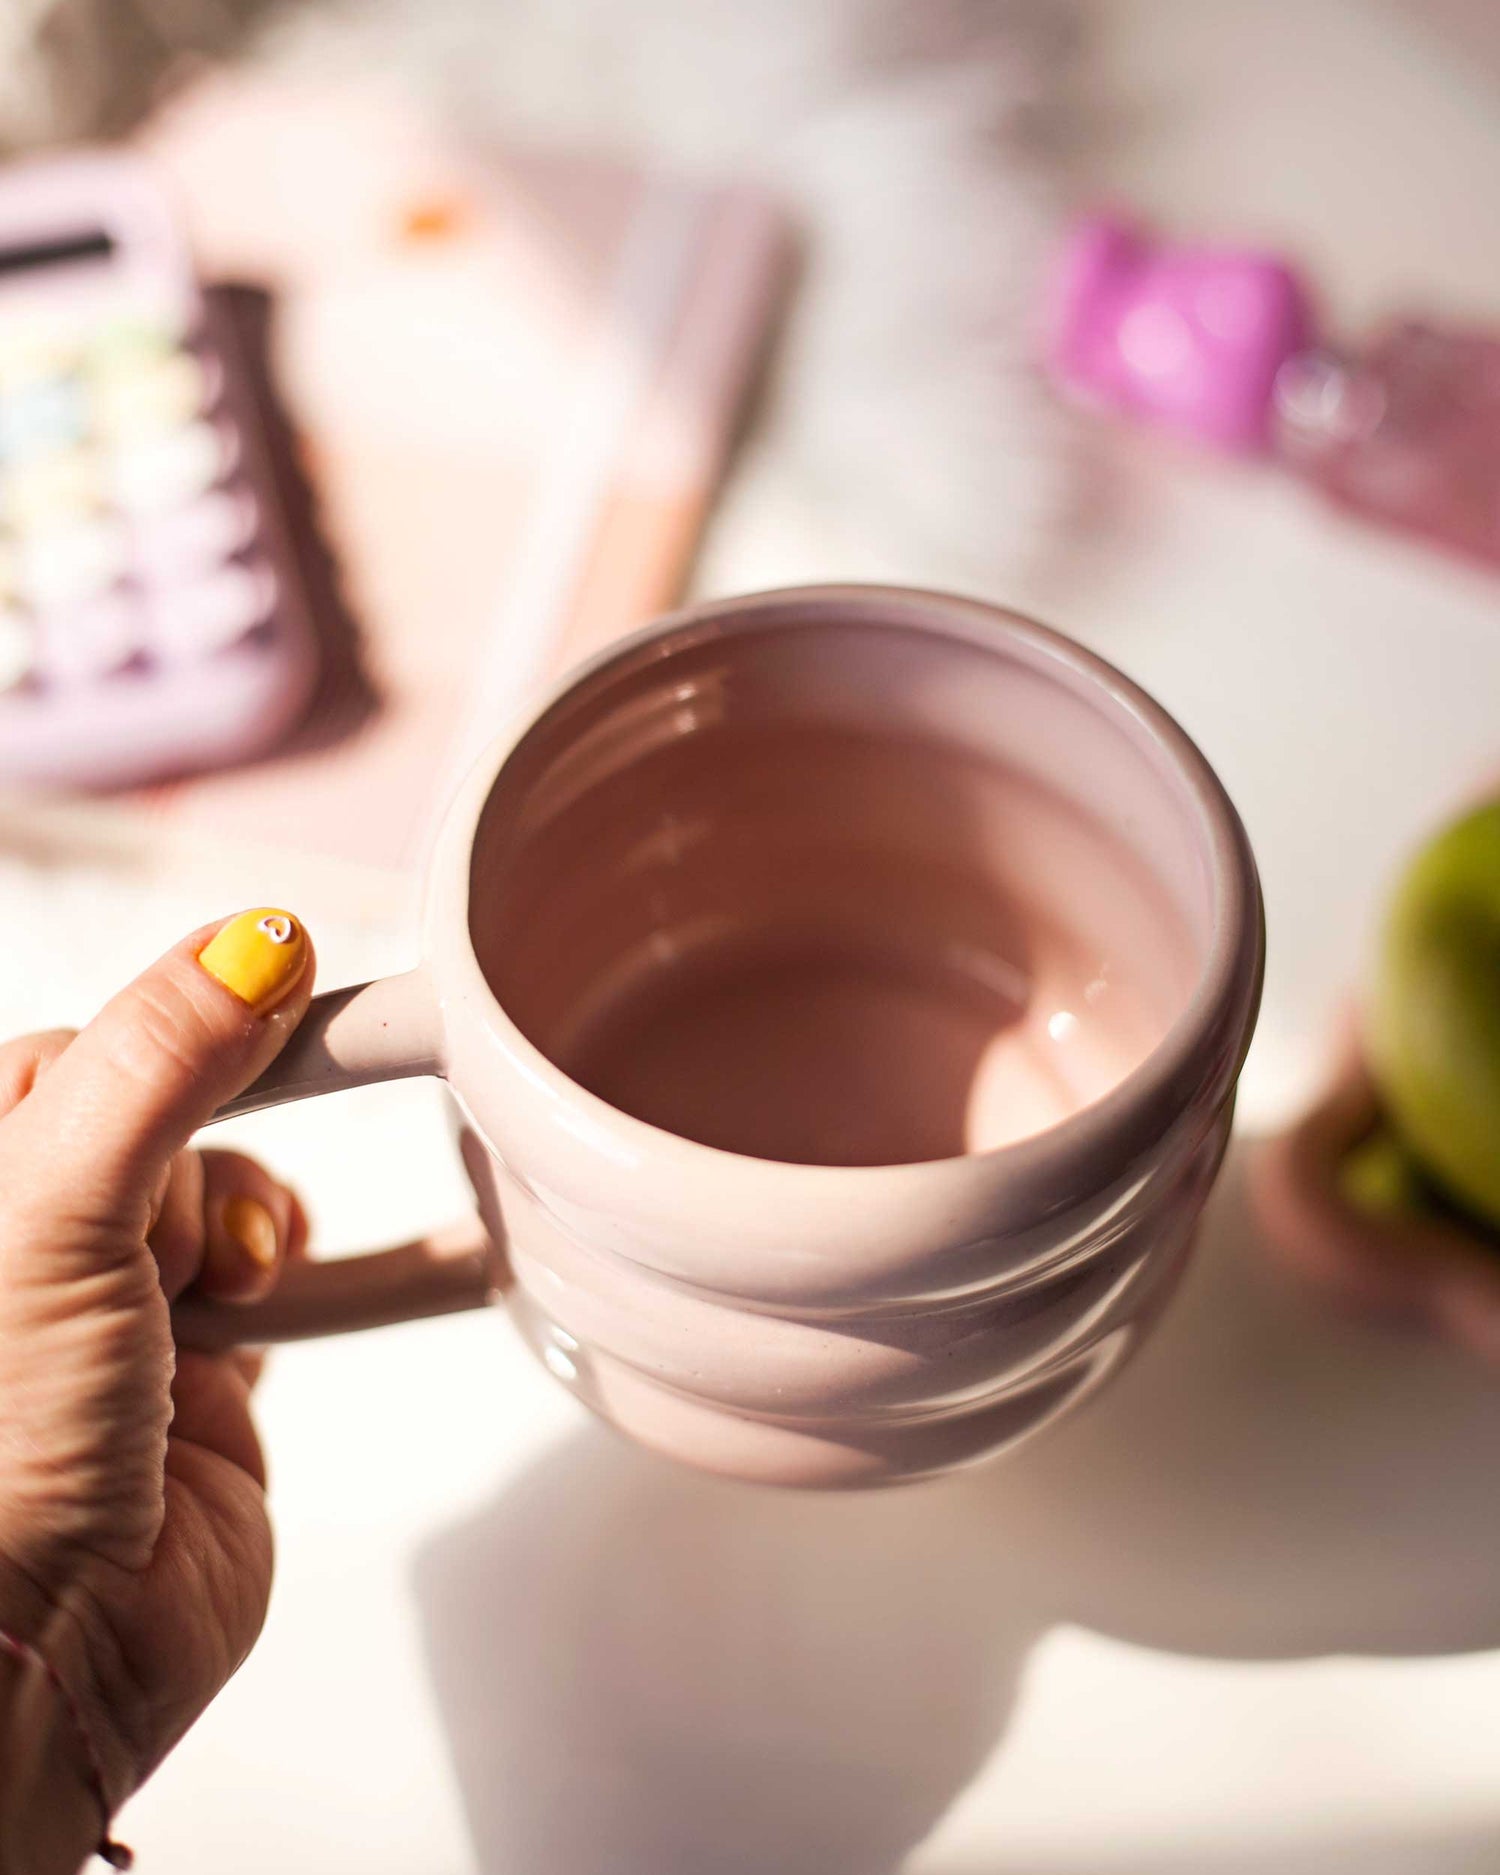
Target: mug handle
x: 381, y: 1031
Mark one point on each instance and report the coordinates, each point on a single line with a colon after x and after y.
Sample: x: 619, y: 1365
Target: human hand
x: 1402, y: 1261
x: 135, y: 1551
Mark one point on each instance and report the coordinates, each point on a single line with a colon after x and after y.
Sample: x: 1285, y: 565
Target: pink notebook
x: 513, y: 381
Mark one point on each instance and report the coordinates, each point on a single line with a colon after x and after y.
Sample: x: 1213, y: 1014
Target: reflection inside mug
x: 814, y: 940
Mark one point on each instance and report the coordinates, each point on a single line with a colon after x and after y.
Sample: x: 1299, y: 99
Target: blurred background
x: 1173, y: 322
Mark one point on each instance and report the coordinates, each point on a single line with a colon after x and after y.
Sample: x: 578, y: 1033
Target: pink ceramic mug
x: 844, y: 990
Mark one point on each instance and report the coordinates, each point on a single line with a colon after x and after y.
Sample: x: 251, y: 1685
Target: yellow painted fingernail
x: 252, y: 1227
x: 260, y: 955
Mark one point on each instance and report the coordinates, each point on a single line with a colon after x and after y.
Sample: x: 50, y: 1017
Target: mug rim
x: 1199, y: 1055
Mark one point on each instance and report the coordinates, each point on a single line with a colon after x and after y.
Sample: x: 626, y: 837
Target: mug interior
x: 842, y: 881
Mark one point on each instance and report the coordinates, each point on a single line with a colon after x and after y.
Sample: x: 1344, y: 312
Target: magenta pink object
x: 844, y: 990
x: 1407, y: 433
x: 1186, y: 337
x: 1217, y: 344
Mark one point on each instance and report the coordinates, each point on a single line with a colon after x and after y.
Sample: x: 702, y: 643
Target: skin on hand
x: 1370, y: 1245
x: 135, y: 1551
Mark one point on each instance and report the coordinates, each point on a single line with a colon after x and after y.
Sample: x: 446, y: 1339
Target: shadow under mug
x: 758, y: 957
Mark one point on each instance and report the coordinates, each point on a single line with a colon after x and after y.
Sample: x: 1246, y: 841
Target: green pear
x: 1380, y: 1177
x: 1434, y: 1029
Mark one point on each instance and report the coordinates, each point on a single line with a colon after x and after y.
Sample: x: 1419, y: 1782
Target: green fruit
x: 1380, y: 1177
x: 1434, y: 1034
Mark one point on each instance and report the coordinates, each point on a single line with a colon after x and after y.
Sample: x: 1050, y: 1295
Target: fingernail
x: 252, y: 1227
x: 259, y: 956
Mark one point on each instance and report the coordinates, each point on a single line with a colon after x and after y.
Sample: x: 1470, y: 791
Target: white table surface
x: 1238, y: 1618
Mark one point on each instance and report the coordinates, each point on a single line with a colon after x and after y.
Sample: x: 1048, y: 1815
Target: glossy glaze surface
x: 832, y: 946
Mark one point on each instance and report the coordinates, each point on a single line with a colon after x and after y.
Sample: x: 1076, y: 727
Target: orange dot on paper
x: 438, y: 219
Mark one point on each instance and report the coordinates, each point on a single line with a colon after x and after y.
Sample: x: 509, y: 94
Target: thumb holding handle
x: 381, y: 1031
x: 130, y: 1089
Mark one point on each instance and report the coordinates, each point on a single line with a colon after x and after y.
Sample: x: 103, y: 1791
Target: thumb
x: 151, y: 1068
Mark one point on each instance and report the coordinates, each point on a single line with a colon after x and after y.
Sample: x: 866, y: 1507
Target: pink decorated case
x: 152, y: 620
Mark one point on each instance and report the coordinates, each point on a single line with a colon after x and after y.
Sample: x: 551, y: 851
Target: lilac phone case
x: 152, y: 614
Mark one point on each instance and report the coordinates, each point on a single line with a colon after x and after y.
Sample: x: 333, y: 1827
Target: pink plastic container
x: 1189, y: 338
x: 1217, y: 344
